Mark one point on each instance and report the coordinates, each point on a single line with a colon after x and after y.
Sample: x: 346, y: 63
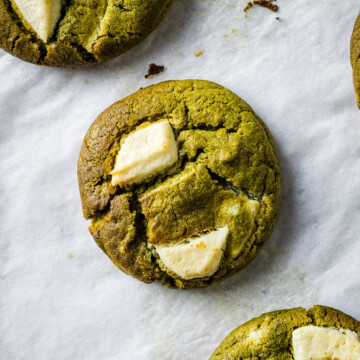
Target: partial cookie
x: 318, y: 334
x: 74, y: 33
x: 182, y: 183
x: 355, y: 58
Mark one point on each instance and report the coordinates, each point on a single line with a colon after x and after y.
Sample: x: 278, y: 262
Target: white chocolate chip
x: 41, y: 15
x: 144, y: 153
x: 234, y: 209
x: 195, y: 258
x: 318, y: 343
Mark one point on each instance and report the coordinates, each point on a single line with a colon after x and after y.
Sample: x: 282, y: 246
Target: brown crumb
x: 71, y: 255
x: 277, y: 18
x: 154, y: 70
x: 199, y: 53
x: 264, y: 3
x: 248, y: 6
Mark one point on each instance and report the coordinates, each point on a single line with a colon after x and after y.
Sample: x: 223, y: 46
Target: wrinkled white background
x: 61, y: 297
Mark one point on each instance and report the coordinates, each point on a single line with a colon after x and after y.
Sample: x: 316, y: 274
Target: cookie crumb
x: 71, y: 255
x: 248, y: 6
x: 264, y: 3
x: 154, y: 70
x: 199, y: 53
x: 277, y: 18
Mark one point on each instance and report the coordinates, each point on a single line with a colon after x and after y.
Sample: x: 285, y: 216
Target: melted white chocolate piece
x: 41, y: 15
x: 195, y: 258
x: 318, y: 343
x: 144, y: 153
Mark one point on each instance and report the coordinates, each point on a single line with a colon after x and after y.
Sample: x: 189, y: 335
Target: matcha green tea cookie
x: 76, y: 32
x: 355, y: 58
x: 321, y: 333
x: 182, y: 183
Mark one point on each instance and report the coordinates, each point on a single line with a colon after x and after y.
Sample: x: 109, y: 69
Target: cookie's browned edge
x: 355, y: 57
x: 280, y: 324
x: 17, y: 40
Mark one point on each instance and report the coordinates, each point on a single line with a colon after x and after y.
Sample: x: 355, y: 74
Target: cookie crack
x: 63, y: 11
x: 17, y: 37
x: 223, y: 182
x: 140, y: 219
x: 205, y: 127
x: 228, y: 185
x: 43, y: 51
x: 141, y: 235
x: 83, y: 53
x: 121, y: 7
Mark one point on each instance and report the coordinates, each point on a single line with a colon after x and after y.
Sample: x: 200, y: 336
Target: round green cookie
x: 294, y: 334
x: 76, y: 32
x: 355, y: 57
x: 203, y: 216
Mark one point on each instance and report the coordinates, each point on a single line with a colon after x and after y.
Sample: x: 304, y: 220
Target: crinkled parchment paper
x: 61, y: 297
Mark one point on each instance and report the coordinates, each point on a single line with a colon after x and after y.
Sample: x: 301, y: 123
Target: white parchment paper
x: 61, y: 297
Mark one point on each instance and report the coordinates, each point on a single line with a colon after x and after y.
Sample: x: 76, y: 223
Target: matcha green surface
x: 226, y: 156
x: 78, y: 38
x: 275, y: 333
x: 355, y: 58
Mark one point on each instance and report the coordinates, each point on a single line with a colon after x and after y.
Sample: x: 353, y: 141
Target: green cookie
x: 355, y: 57
x: 182, y: 183
x: 319, y: 333
x: 76, y: 32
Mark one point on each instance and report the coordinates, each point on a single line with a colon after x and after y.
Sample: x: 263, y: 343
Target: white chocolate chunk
x: 254, y: 207
x: 318, y: 343
x: 41, y: 15
x: 234, y: 209
x: 144, y: 153
x: 195, y: 258
x: 246, y: 211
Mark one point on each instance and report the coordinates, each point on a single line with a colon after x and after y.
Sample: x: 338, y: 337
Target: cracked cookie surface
x: 355, y: 57
x: 227, y: 175
x: 271, y: 336
x: 87, y: 32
